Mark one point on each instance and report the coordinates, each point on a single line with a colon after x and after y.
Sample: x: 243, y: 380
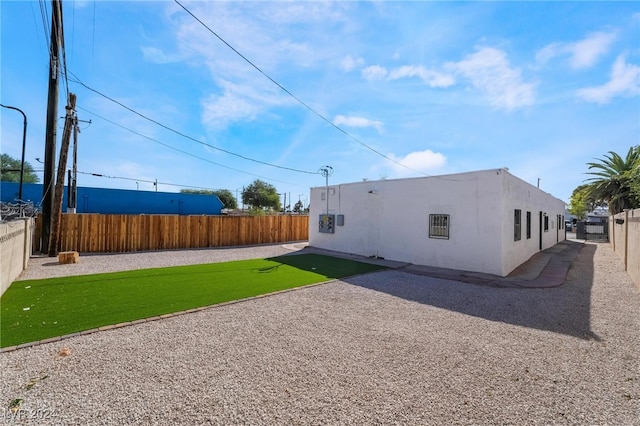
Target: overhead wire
x: 178, y: 149
x: 155, y: 182
x: 73, y: 30
x: 45, y: 20
x: 142, y: 180
x: 177, y: 132
x: 148, y: 181
x: 45, y: 26
x: 63, y: 48
x: 35, y: 23
x: 300, y: 101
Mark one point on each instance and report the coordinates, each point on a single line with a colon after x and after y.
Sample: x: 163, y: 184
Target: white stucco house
x: 484, y: 221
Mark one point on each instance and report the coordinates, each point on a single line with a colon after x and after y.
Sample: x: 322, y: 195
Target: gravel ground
x: 48, y: 267
x: 383, y: 348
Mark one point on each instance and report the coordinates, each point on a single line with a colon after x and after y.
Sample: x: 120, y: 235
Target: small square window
x: 439, y: 226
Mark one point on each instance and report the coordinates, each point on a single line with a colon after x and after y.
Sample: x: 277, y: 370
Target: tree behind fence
x: 99, y: 233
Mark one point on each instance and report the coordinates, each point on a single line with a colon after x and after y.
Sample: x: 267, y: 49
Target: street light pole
x: 24, y: 144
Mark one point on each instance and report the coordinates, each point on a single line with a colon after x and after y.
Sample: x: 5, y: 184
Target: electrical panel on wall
x: 327, y: 223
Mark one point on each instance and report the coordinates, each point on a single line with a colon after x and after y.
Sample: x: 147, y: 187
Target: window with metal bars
x: 439, y: 226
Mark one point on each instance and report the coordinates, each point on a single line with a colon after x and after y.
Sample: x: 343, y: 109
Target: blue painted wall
x: 121, y: 201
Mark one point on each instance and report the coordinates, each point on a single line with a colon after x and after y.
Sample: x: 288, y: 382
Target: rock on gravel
x: 383, y: 348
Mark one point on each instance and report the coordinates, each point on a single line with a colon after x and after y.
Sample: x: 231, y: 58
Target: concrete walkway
x: 545, y: 269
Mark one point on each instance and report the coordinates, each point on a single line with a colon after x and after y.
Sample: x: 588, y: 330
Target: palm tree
x: 616, y: 179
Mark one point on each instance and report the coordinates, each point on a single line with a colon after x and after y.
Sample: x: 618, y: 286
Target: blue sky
x: 435, y: 87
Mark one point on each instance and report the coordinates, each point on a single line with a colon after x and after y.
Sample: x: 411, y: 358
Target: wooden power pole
x: 69, y: 123
x: 52, y: 123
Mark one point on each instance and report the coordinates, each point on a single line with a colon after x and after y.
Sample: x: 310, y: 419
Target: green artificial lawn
x: 39, y: 309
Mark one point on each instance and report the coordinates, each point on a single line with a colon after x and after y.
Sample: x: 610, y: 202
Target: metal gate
x: 593, y: 231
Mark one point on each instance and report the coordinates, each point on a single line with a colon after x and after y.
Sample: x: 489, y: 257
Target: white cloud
x: 374, y: 72
x: 490, y: 72
x: 583, y: 53
x: 349, y: 63
x: 430, y: 77
x: 219, y: 111
x: 279, y: 38
x: 155, y: 55
x: 418, y: 160
x: 357, y: 122
x: 625, y: 80
x: 237, y: 103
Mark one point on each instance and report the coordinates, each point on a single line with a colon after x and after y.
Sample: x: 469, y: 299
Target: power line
x: 164, y: 126
x: 300, y: 101
x: 155, y: 182
x: 145, y: 181
x: 59, y: 28
x: 180, y: 150
x: 45, y: 24
x: 35, y: 22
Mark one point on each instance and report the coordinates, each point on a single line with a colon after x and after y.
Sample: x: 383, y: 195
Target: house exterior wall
x: 521, y: 195
x: 390, y: 219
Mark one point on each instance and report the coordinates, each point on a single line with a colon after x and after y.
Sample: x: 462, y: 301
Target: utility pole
x: 52, y: 123
x: 69, y: 122
x: 72, y: 199
x: 71, y: 182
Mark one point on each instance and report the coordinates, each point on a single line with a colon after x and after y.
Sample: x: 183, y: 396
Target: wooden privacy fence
x: 100, y: 233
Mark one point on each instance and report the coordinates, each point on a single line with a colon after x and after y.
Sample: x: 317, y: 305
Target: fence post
x: 626, y: 237
x: 25, y: 246
x: 612, y: 229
